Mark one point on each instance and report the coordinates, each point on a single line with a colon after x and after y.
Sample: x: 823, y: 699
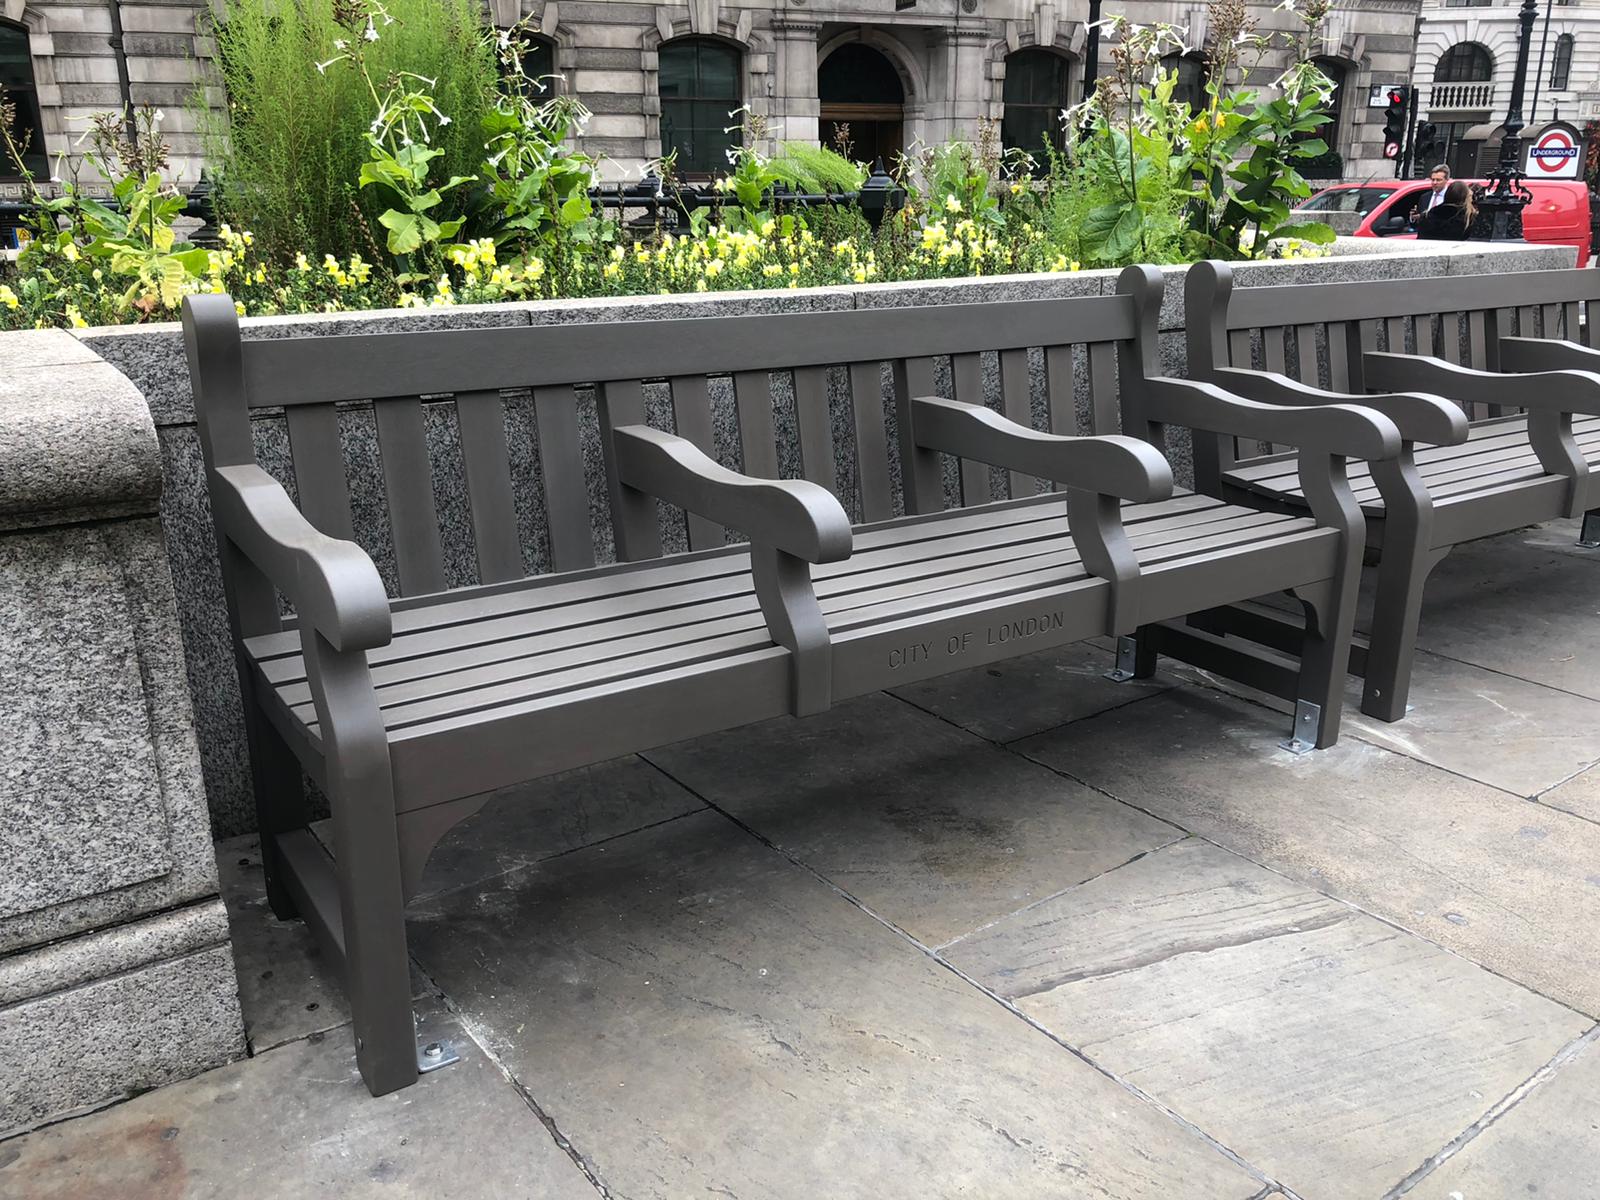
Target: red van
x: 1558, y: 215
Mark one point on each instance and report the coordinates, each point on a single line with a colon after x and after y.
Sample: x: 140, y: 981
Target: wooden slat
x: 1549, y: 321
x: 1394, y: 332
x: 967, y: 373
x: 1450, y: 337
x: 1017, y: 404
x: 487, y: 459
x: 758, y: 443
x: 1339, y: 350
x: 1425, y: 339
x: 872, y: 443
x: 1239, y: 348
x: 1063, y: 398
x: 815, y: 426
x: 1272, y: 348
x: 691, y: 420
x: 1103, y: 387
x: 319, y: 478
x: 1569, y: 322
x: 634, y: 516
x: 1305, y: 354
x: 566, y: 490
x: 408, y: 484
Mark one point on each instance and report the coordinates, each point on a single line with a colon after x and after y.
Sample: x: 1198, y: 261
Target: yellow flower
x: 9, y: 298
x: 76, y: 317
x: 238, y: 307
x: 951, y: 204
x: 1017, y: 189
x: 767, y: 228
x: 300, y: 261
x: 70, y: 250
x: 714, y: 267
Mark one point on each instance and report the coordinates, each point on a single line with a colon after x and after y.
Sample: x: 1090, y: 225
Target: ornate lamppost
x: 1505, y: 197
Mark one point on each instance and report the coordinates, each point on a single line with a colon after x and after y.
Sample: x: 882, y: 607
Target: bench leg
x: 371, y: 918
x: 1324, y: 660
x: 1402, y: 578
x: 280, y: 801
x: 1136, y: 657
x: 1590, y: 534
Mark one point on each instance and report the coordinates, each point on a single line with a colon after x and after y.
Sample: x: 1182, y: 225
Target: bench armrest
x: 1112, y: 465
x: 1522, y: 354
x: 1558, y: 391
x: 1344, y: 429
x: 333, y: 585
x: 1419, y: 416
x: 791, y: 515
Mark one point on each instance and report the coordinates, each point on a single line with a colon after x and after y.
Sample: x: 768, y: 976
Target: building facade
x: 886, y: 75
x: 1467, y: 57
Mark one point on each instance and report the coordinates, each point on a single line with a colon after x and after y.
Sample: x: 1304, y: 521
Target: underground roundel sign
x: 1553, y: 155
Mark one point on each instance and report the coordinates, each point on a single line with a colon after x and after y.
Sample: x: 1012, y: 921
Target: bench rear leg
x: 280, y: 798
x: 1590, y: 533
x: 1324, y: 659
x: 1136, y: 656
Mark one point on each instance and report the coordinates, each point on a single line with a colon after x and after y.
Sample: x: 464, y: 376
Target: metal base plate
x: 1589, y: 536
x: 1303, y: 738
x: 1127, y: 657
x: 433, y: 1055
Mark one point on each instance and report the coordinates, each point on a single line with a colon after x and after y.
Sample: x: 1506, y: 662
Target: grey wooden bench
x: 406, y: 709
x: 1489, y: 380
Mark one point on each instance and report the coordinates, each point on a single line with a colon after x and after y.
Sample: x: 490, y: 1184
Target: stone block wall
x: 115, y: 968
x: 152, y: 356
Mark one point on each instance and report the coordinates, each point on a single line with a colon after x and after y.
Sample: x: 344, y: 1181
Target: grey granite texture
x: 152, y: 356
x: 117, y: 1036
x: 49, y: 469
x: 148, y: 841
x: 67, y: 963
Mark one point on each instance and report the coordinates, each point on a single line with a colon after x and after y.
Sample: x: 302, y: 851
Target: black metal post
x: 1538, y: 73
x: 1505, y: 197
x: 1091, y: 50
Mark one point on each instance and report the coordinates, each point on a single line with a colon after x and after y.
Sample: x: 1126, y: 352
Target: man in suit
x: 1438, y: 180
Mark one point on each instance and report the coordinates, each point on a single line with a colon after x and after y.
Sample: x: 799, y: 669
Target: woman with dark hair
x: 1451, y: 218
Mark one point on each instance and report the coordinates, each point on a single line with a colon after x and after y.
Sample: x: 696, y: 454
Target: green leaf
x: 407, y: 231
x: 1111, y: 231
x: 575, y: 210
x: 1307, y: 231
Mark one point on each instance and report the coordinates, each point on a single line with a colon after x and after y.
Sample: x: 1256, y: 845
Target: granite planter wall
x: 115, y: 970
x: 152, y: 357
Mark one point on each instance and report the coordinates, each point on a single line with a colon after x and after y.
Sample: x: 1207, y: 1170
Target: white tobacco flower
x: 371, y: 33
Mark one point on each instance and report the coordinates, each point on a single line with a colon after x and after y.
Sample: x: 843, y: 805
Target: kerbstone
x: 698, y: 1015
x: 1510, y: 885
x: 212, y: 1138
x: 1322, y: 1045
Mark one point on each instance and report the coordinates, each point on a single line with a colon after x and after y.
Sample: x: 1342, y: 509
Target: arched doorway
x: 859, y: 87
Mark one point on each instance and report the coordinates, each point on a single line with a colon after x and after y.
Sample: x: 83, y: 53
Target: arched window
x: 16, y: 74
x: 1035, y: 95
x: 862, y: 103
x: 539, y: 65
x: 1561, y: 65
x: 699, y: 89
x: 1191, y: 69
x: 1465, y: 62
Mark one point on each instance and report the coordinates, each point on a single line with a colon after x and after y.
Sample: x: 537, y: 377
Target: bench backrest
x: 1317, y: 333
x: 459, y: 457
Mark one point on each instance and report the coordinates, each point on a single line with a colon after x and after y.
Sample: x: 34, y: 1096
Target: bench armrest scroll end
x: 791, y: 515
x: 333, y: 585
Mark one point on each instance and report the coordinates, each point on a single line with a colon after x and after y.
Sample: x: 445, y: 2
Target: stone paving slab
x: 1324, y: 1046
x: 1579, y: 795
x: 1024, y: 696
x: 1512, y: 605
x: 1545, y: 1148
x: 699, y: 1016
x: 1512, y: 885
x: 1488, y: 726
x: 926, y: 825
x: 296, y: 1123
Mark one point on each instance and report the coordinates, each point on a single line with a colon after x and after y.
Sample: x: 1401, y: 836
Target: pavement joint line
x: 1176, y: 1118
x: 1376, y: 916
x: 1467, y: 662
x: 1056, y: 895
x: 470, y: 1028
x: 1517, y: 1094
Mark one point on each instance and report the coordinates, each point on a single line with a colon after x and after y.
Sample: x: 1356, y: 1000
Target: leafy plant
x: 817, y: 170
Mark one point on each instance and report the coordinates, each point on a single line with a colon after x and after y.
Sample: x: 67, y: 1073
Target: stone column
x: 962, y: 82
x: 795, y: 107
x: 115, y: 970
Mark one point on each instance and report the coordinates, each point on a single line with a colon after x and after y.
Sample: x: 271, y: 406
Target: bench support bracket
x: 1590, y: 535
x: 434, y: 1055
x: 1127, y: 661
x: 1307, y: 720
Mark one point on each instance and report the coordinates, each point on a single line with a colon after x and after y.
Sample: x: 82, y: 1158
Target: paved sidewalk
x: 1020, y: 932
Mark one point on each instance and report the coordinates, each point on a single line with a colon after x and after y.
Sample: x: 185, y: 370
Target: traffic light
x: 1394, y: 120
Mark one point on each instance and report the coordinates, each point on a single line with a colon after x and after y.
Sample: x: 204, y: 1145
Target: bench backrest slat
x: 491, y: 448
